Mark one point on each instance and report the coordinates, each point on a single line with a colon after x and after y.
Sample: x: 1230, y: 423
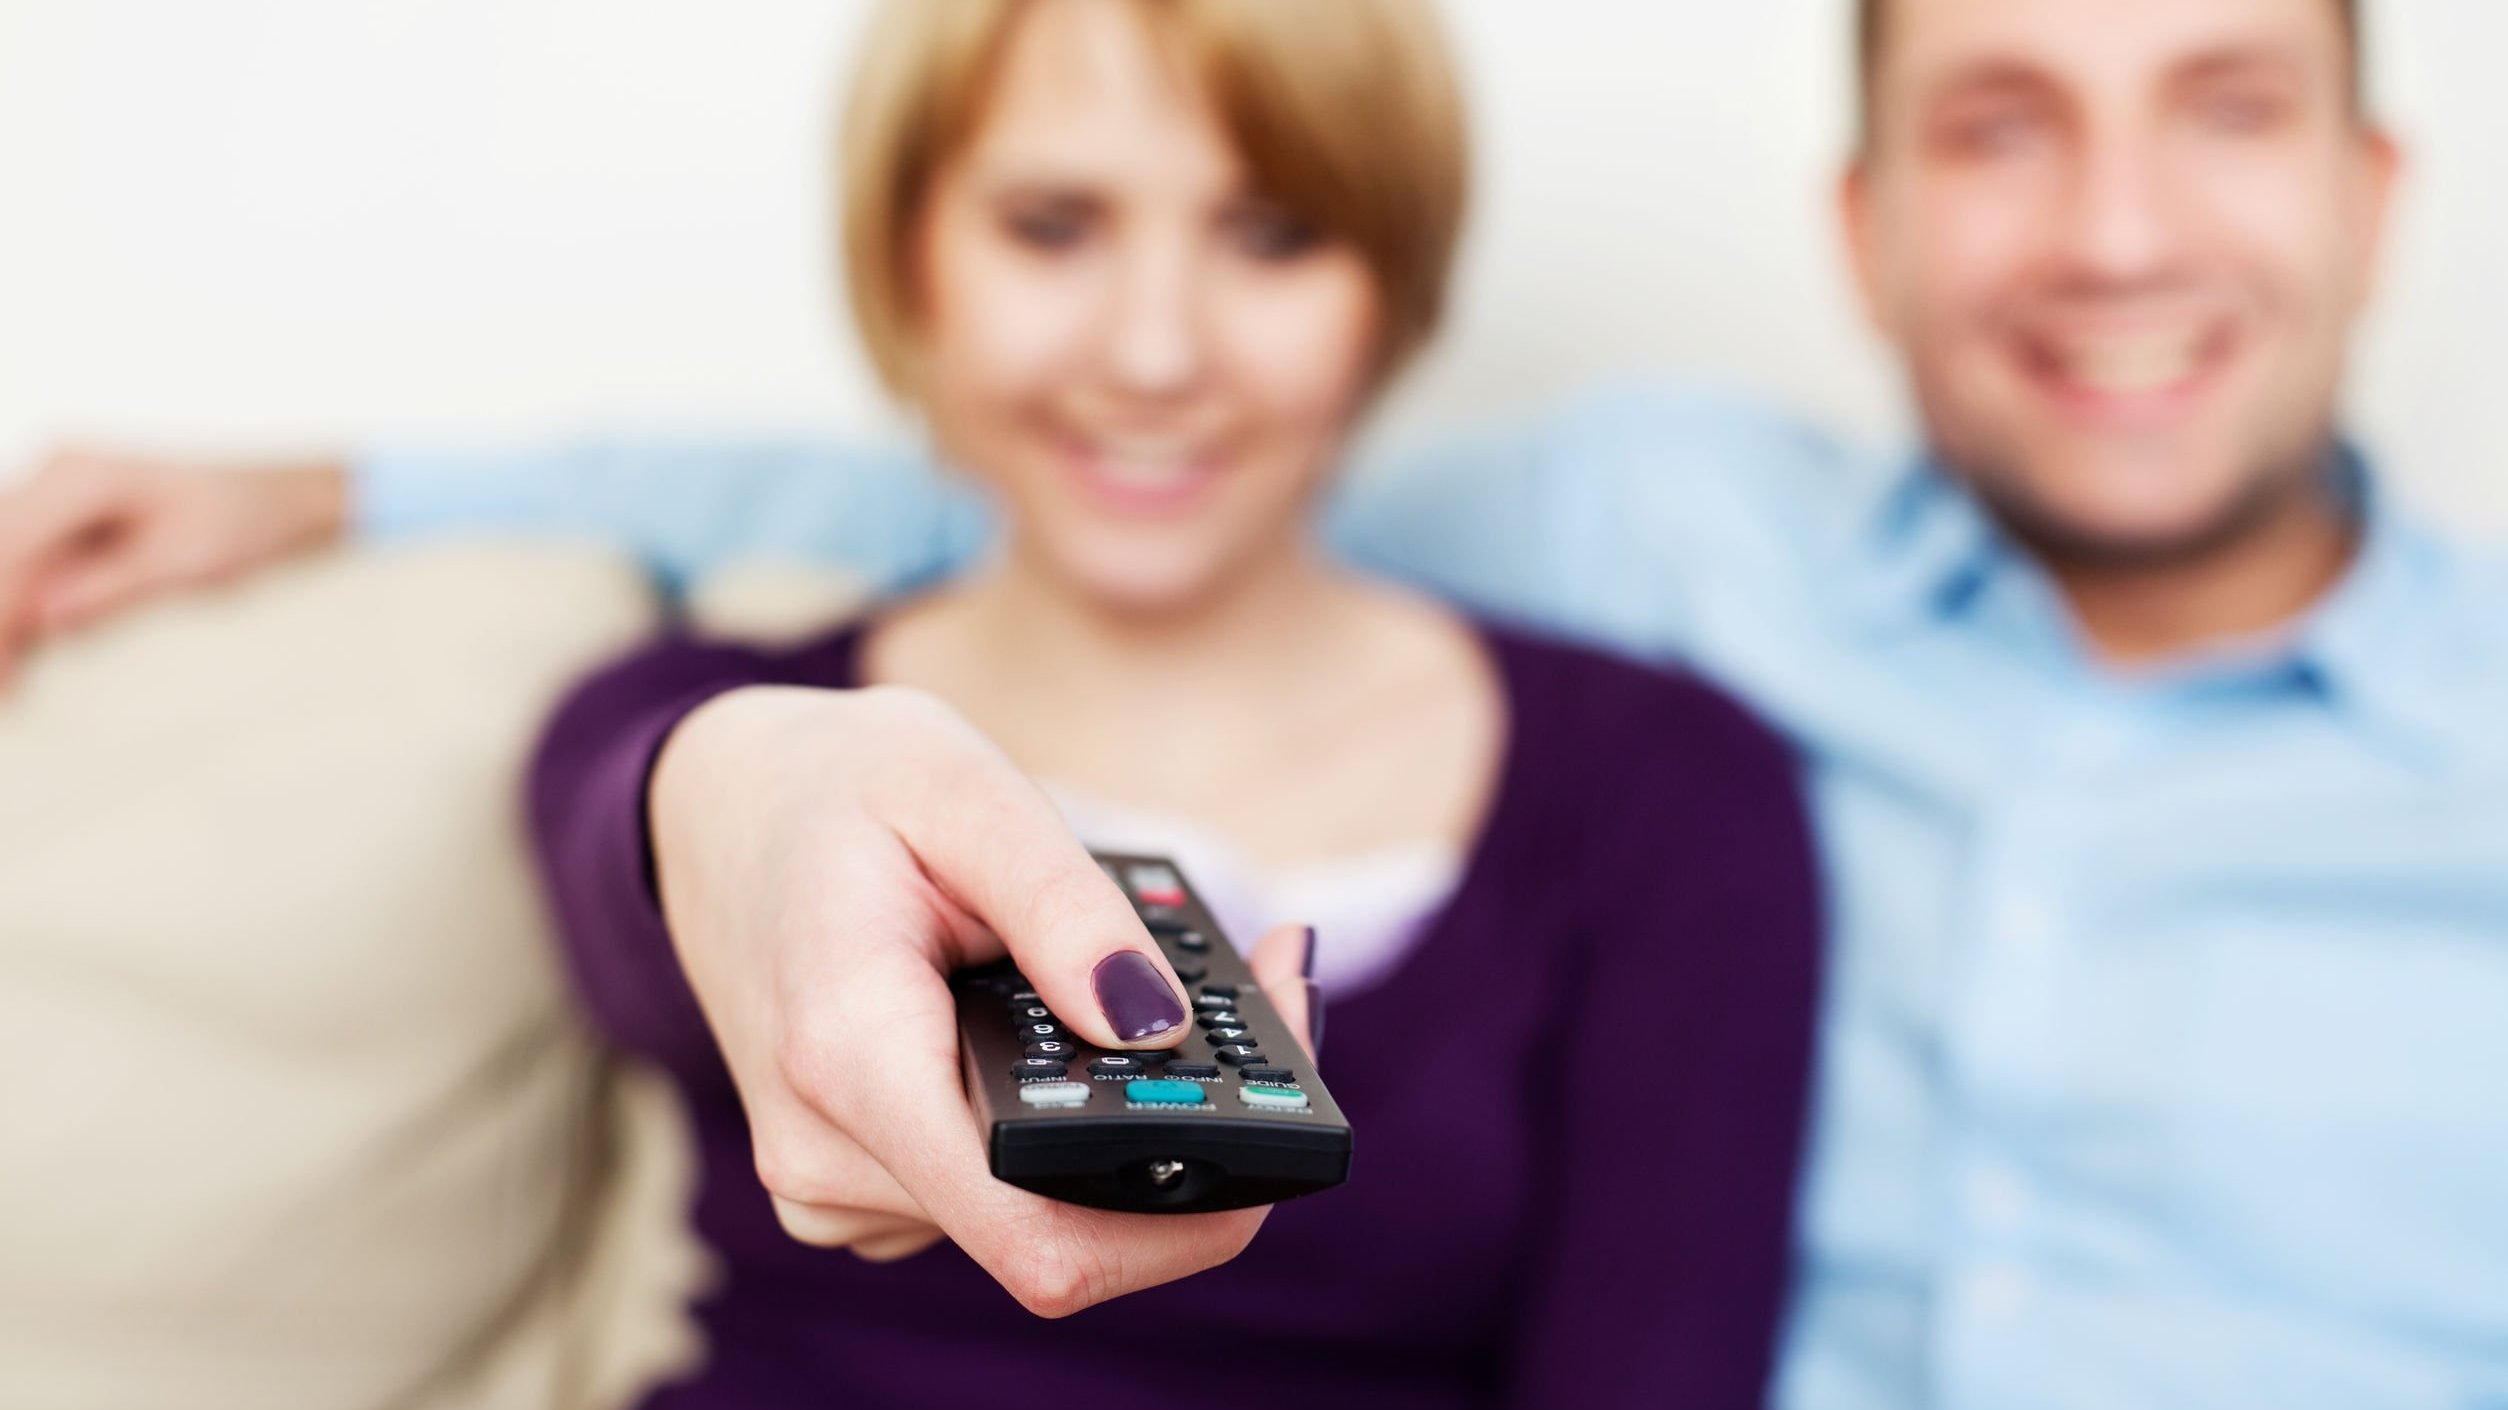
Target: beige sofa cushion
x: 293, y: 1108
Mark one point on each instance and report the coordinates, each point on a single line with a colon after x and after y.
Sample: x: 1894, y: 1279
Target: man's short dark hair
x: 1872, y: 16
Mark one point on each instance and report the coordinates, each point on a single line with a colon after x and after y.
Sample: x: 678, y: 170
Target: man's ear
x: 2384, y: 164
x: 1861, y: 234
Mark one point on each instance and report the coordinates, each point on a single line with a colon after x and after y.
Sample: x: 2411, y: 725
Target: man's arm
x: 1617, y: 520
x: 686, y: 507
x: 1623, y: 519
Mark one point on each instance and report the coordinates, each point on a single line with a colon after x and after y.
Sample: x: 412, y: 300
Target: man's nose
x: 1156, y: 342
x: 2125, y: 220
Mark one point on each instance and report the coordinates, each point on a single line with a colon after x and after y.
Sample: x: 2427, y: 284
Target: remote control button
x: 1042, y: 1033
x: 1215, y: 1003
x: 1054, y: 1048
x: 1281, y: 1075
x: 1229, y: 1037
x: 1241, y: 1055
x: 1031, y: 1012
x: 1194, y: 1071
x: 1055, y: 1094
x: 1188, y: 971
x: 1285, y: 1098
x: 1224, y: 1018
x: 1157, y: 886
x: 1021, y: 996
x: 1156, y: 1091
x: 1219, y: 991
x: 1117, y: 1065
x: 1193, y: 940
x: 1038, y: 1070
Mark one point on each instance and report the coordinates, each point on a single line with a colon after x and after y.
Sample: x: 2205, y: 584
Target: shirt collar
x: 2376, y: 644
x: 1929, y: 555
x: 1926, y: 548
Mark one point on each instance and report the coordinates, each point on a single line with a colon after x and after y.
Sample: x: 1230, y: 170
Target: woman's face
x: 1153, y: 365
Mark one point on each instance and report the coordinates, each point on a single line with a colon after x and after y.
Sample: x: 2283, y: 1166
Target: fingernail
x: 1306, y: 966
x: 1136, y: 999
x: 1314, y: 1018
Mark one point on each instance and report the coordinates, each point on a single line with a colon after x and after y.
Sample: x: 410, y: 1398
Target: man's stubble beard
x: 2289, y: 485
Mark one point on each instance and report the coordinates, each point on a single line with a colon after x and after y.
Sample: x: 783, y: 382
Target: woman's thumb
x: 1284, y: 964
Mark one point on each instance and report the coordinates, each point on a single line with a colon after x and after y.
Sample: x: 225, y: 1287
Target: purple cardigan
x: 1577, y: 1105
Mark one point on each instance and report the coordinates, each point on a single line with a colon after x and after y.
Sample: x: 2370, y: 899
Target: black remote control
x: 1232, y: 1116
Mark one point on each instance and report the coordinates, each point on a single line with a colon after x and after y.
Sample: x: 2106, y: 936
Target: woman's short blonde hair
x: 1345, y: 111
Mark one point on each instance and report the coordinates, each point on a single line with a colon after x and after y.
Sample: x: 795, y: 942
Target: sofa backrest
x: 294, y: 1109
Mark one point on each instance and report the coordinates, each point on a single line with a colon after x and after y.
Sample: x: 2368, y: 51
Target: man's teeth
x: 1148, y: 466
x: 2131, y: 366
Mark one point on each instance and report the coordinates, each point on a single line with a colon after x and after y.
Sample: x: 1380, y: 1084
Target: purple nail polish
x: 1137, y: 1000
x: 1306, y: 964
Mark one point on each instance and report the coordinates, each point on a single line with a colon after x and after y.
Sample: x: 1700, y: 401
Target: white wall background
x: 282, y: 222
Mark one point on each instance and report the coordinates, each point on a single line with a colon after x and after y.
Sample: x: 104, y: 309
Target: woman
x: 1142, y: 264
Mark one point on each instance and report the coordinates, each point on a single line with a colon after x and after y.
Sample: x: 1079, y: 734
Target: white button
x: 1999, y: 1292
x: 2098, y: 742
x: 2025, y: 921
x: 1996, y: 1197
x: 1055, y: 1094
x: 1286, y: 1098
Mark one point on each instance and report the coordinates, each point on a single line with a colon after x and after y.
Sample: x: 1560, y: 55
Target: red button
x: 1157, y: 886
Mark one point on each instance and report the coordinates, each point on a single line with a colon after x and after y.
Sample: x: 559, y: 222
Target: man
x: 2156, y: 753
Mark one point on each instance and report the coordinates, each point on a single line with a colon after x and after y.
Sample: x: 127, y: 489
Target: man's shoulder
x: 2472, y: 598
x: 2439, y: 624
x: 1659, y: 419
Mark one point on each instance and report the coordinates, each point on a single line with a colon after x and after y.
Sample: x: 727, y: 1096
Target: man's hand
x: 92, y: 533
x: 825, y: 860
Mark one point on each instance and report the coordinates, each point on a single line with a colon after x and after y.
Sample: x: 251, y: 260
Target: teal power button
x: 1162, y: 1092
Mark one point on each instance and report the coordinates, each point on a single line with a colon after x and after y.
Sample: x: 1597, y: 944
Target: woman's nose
x: 1157, y: 345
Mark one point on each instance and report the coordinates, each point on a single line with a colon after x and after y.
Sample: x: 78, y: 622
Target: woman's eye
x: 1269, y: 233
x: 1047, y: 229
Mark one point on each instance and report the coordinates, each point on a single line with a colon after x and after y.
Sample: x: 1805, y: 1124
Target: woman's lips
x: 1142, y: 477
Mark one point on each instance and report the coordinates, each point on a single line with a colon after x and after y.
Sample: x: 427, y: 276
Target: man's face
x: 2121, y: 244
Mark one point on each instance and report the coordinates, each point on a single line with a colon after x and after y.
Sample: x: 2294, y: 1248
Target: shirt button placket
x: 2008, y: 1005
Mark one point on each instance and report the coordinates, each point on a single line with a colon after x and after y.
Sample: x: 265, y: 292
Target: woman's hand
x: 91, y: 533
x: 825, y: 859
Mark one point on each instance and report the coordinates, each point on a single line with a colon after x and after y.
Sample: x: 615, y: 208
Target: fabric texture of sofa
x: 294, y: 1109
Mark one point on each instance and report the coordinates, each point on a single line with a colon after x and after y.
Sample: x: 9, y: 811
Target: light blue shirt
x: 2166, y: 1051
